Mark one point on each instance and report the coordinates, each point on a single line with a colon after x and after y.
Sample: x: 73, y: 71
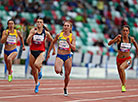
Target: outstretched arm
x: 51, y: 40
x: 51, y: 45
x: 135, y: 44
x: 29, y: 38
x: 21, y: 37
x: 114, y: 40
x: 4, y: 36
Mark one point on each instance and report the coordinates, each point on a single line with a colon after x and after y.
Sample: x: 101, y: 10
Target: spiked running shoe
x: 9, y: 78
x: 37, y: 87
x: 123, y: 88
x: 65, y: 92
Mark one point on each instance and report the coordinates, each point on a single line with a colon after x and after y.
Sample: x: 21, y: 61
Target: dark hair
x: 10, y: 20
x: 127, y: 26
x: 43, y: 25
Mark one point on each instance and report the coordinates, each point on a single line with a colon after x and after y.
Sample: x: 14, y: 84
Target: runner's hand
x: 119, y: 36
x: 48, y: 56
x: 137, y: 53
x: 54, y: 52
x: 68, y: 41
x: 23, y: 48
x: 34, y: 31
x: 8, y: 32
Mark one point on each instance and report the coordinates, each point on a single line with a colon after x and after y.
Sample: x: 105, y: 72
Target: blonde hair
x: 70, y: 26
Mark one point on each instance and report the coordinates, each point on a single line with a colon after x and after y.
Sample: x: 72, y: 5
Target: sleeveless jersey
x: 62, y: 43
x: 38, y: 41
x: 124, y: 47
x: 12, y: 37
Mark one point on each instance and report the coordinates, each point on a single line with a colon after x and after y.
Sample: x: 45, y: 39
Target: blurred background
x: 95, y: 22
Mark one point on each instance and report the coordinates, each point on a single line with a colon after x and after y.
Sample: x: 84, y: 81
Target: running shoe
x: 9, y: 78
x: 65, y: 92
x: 40, y: 75
x: 123, y: 88
x: 37, y: 87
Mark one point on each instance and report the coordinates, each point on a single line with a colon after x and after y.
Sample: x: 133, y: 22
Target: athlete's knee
x: 9, y: 59
x: 37, y: 65
x: 67, y: 74
x: 57, y: 71
x: 33, y: 71
x: 121, y: 68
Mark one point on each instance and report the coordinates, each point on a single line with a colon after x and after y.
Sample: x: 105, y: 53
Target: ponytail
x: 44, y: 25
x: 45, y: 28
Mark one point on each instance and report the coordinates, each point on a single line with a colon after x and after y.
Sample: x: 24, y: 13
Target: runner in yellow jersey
x: 9, y: 37
x: 66, y: 42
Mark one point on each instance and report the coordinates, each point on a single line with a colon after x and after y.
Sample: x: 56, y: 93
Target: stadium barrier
x: 92, y: 63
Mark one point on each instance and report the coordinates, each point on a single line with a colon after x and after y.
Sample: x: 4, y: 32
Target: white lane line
x: 86, y: 87
x: 54, y: 83
x: 14, y: 85
x: 105, y: 98
x: 26, y: 81
x: 57, y: 84
x: 75, y: 87
x: 57, y: 94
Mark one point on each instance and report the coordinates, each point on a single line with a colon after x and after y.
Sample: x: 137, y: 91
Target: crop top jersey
x: 12, y: 38
x: 124, y: 47
x: 38, y: 41
x: 62, y: 43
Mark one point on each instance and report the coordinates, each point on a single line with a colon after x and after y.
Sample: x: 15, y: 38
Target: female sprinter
x: 9, y: 37
x: 123, y: 58
x: 36, y: 40
x: 66, y: 42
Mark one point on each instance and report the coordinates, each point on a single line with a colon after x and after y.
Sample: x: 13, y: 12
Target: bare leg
x: 8, y: 61
x: 68, y: 66
x: 39, y: 61
x: 34, y: 69
x: 58, y: 65
x: 121, y: 70
x: 38, y: 64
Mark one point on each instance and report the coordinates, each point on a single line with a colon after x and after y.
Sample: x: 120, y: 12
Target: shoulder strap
x: 121, y: 39
x: 45, y: 34
x: 129, y: 39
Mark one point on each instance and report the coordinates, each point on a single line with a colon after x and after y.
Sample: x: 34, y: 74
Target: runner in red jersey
x: 36, y: 40
x: 124, y: 43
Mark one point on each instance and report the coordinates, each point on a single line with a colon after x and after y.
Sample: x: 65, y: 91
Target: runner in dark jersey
x: 36, y: 40
x: 124, y: 43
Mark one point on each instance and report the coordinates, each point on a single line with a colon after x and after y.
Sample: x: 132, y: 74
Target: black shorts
x: 36, y: 53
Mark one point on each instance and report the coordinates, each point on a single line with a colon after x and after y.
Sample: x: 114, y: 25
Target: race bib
x: 38, y: 39
x: 125, y: 47
x: 11, y: 39
x: 63, y: 45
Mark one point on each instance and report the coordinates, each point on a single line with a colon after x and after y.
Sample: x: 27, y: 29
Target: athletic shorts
x: 64, y: 57
x: 9, y: 52
x: 121, y: 60
x: 36, y: 53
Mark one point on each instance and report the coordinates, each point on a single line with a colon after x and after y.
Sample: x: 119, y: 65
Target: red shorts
x: 121, y: 60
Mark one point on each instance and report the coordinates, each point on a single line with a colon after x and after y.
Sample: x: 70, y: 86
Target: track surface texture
x: 79, y: 91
